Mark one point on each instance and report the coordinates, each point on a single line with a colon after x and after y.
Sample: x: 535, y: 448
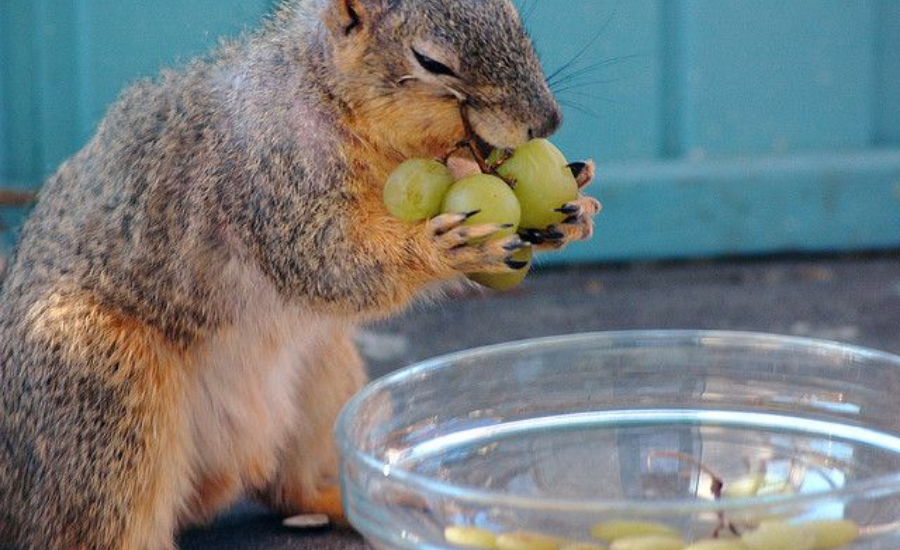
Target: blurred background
x: 721, y: 127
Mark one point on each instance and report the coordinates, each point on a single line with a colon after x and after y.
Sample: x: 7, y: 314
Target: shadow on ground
x: 250, y: 527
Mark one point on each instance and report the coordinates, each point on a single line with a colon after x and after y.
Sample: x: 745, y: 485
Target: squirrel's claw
x: 584, y: 172
x: 470, y: 248
x: 444, y: 224
x: 493, y: 256
x: 569, y: 209
x: 539, y: 237
x: 578, y: 226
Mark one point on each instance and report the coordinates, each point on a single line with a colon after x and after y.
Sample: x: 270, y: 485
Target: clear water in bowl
x: 555, y: 436
x: 653, y: 454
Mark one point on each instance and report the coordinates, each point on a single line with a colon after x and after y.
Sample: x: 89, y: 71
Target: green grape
x: 649, y: 542
x: 778, y: 535
x: 832, y: 535
x: 770, y: 486
x: 528, y: 541
x: 542, y: 182
x: 414, y: 190
x: 495, y: 157
x: 506, y: 281
x: 775, y: 487
x: 747, y: 486
x: 471, y: 537
x: 491, y: 196
x: 574, y: 545
x: 717, y: 544
x: 614, y: 530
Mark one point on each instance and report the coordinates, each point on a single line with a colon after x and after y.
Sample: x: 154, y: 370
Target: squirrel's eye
x: 432, y: 66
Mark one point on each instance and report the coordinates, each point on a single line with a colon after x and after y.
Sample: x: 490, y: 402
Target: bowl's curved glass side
x: 441, y: 444
x: 754, y: 370
x: 395, y: 516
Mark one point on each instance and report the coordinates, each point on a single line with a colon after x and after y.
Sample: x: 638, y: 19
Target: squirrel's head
x: 410, y: 71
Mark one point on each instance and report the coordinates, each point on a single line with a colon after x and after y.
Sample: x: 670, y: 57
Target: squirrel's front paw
x: 579, y: 224
x: 470, y: 248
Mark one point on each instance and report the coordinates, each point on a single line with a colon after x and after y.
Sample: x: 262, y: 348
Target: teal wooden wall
x: 722, y: 127
x: 64, y: 61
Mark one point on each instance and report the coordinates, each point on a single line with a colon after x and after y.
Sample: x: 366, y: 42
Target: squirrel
x: 177, y: 322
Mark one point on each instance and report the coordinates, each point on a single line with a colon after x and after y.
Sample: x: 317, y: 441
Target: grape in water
x: 618, y: 529
x: 542, y: 182
x: 745, y: 487
x: 778, y: 535
x: 717, y: 544
x: 528, y: 541
x: 415, y: 190
x: 471, y: 537
x: 581, y: 546
x: 649, y: 542
x: 832, y: 534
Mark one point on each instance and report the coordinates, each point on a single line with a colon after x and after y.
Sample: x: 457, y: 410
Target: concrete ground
x: 851, y: 299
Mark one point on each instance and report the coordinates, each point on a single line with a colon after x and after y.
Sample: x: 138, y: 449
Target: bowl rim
x: 876, y: 487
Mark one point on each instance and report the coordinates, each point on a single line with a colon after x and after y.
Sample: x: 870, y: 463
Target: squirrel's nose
x: 547, y: 125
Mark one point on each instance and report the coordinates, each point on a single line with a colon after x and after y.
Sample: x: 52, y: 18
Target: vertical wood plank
x: 4, y: 108
x: 888, y: 97
x: 777, y: 76
x: 18, y: 44
x: 124, y: 41
x: 611, y: 99
x: 672, y: 83
x: 57, y: 76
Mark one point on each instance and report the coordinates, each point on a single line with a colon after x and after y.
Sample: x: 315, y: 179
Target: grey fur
x: 235, y: 157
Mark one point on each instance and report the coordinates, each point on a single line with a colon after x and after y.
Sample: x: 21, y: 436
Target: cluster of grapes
x: 635, y: 535
x: 760, y: 533
x: 524, y: 190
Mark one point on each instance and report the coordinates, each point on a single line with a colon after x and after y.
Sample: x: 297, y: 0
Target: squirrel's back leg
x: 102, y: 419
x: 307, y: 478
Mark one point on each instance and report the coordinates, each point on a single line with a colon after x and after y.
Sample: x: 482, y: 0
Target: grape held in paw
x: 490, y: 197
x: 416, y: 189
x: 506, y: 281
x: 495, y: 203
x: 542, y: 181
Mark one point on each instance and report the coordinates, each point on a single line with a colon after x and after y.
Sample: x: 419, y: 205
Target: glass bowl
x: 709, y: 433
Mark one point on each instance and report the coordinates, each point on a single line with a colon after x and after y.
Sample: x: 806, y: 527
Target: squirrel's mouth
x: 480, y: 146
x: 484, y: 148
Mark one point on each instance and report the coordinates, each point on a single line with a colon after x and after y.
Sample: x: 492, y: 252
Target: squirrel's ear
x: 349, y: 16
